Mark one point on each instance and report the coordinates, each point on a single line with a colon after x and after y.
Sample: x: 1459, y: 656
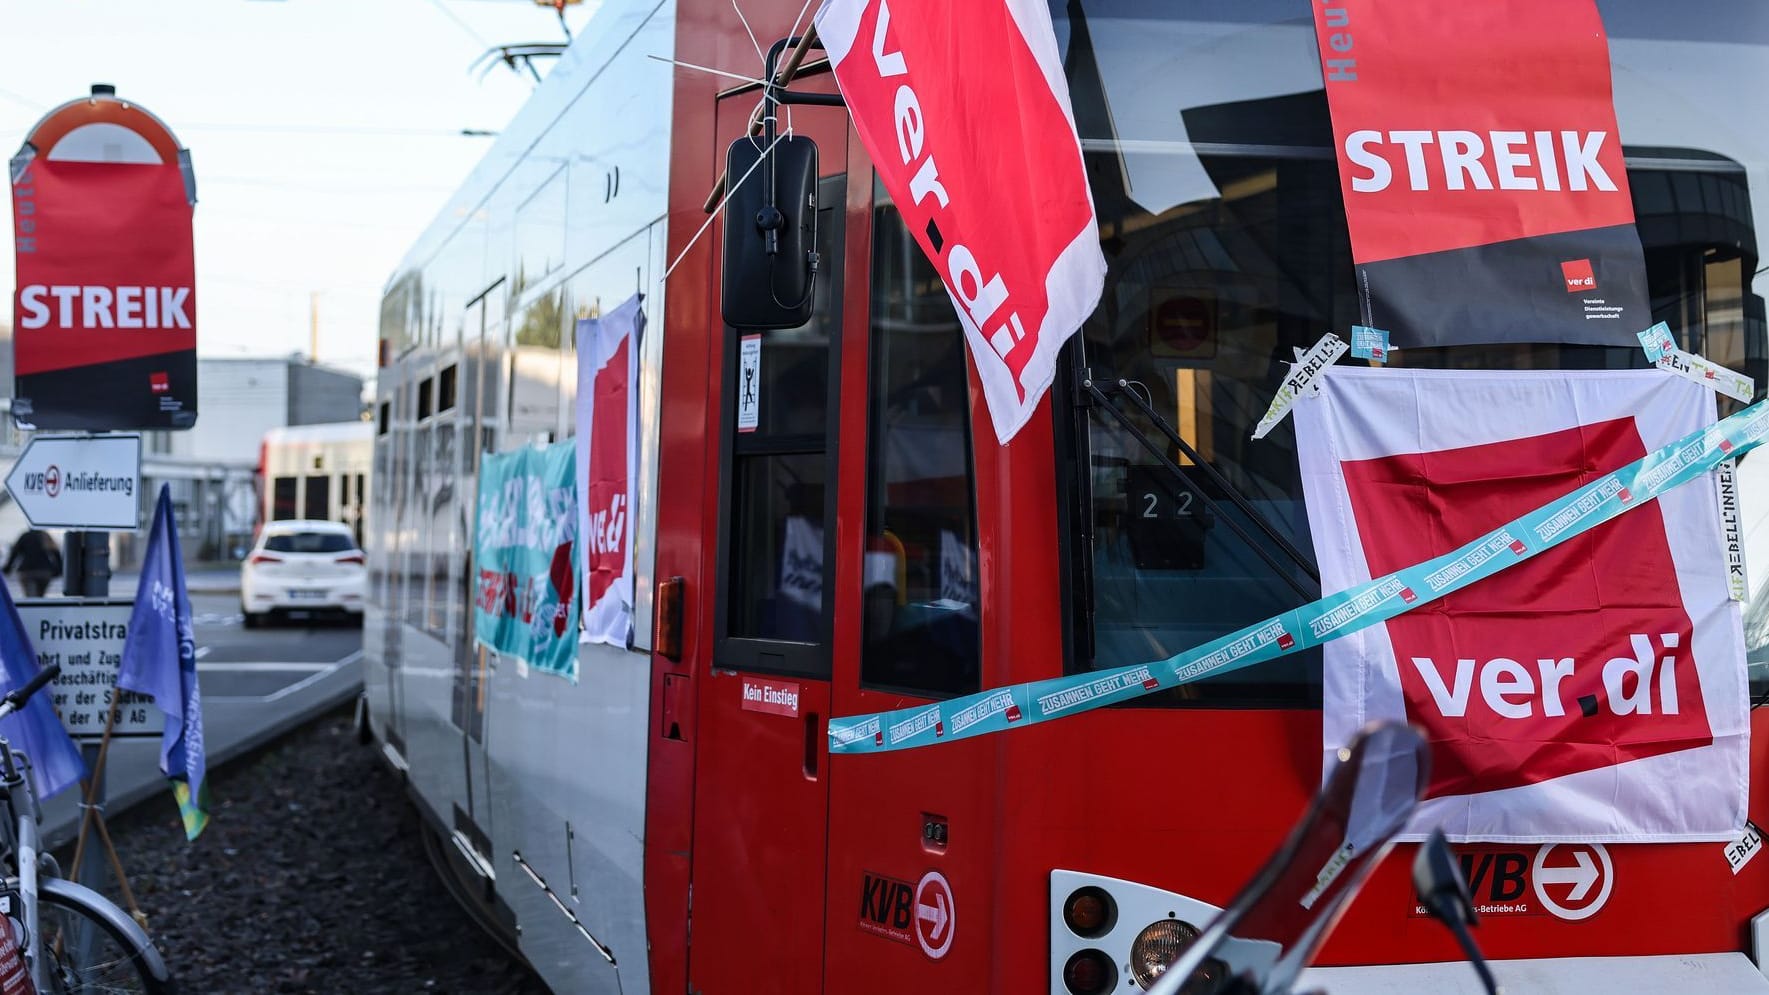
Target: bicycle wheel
x: 91, y: 946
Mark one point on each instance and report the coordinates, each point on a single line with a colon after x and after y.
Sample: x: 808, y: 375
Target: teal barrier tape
x: 1312, y: 624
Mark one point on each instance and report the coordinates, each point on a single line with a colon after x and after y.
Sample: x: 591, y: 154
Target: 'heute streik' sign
x: 1486, y: 193
x: 104, y: 313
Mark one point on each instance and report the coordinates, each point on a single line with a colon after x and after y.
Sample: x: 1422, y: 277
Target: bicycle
x: 70, y: 938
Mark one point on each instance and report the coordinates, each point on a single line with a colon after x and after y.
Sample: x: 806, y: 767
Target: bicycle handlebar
x: 15, y: 700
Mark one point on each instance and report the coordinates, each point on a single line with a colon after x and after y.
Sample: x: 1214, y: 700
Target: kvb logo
x: 1567, y: 880
x: 922, y: 914
x: 887, y: 907
x: 1578, y: 276
x: 1587, y: 647
x: 1573, y: 880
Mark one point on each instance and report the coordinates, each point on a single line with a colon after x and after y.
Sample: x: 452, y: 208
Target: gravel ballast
x: 311, y: 877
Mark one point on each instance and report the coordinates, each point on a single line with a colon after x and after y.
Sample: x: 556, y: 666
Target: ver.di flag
x: 1595, y: 692
x: 607, y: 459
x: 160, y: 661
x: 35, y: 729
x: 965, y: 112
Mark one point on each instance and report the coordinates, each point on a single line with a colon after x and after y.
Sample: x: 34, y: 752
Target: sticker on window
x: 749, y: 383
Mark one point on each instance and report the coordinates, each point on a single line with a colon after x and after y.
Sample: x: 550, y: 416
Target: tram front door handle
x: 813, y: 744
x: 675, y: 692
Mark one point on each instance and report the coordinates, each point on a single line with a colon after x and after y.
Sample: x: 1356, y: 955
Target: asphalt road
x: 255, y: 685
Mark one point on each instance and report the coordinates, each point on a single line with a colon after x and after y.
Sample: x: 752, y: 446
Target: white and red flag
x: 1595, y: 692
x: 607, y: 453
x: 965, y: 112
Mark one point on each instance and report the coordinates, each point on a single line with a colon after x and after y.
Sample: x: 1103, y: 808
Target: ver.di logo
x: 1497, y: 671
x: 1578, y: 275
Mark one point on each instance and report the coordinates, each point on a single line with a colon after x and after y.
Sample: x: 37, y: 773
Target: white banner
x: 607, y: 467
x: 1594, y: 693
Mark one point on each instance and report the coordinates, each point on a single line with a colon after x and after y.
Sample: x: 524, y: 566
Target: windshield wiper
x: 1284, y: 545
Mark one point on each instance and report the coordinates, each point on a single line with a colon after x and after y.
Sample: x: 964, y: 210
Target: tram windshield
x: 1209, y: 151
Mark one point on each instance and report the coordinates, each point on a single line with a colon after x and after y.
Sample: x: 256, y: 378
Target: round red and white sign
x: 936, y: 914
x: 1573, y: 880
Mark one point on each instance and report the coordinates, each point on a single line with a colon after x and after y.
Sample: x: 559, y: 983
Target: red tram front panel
x: 929, y: 870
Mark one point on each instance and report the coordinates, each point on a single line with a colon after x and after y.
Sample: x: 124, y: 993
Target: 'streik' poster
x: 1481, y: 167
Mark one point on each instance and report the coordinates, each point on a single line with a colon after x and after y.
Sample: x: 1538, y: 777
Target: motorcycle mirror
x: 1437, y: 877
x: 1271, y: 930
x: 1439, y: 881
x: 770, y: 264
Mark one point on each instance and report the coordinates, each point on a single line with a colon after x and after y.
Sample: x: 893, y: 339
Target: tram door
x: 477, y: 435
x: 762, y: 767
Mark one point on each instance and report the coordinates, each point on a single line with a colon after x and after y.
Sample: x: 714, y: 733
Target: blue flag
x: 160, y: 661
x: 55, y: 760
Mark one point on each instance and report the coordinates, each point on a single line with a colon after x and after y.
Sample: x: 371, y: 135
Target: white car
x: 303, y: 566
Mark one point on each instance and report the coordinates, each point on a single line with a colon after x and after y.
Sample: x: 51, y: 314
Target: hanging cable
x: 747, y: 30
x: 729, y: 193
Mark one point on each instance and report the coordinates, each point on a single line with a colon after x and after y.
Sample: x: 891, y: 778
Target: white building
x: 212, y: 467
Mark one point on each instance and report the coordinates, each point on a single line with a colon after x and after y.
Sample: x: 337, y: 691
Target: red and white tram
x: 869, y: 546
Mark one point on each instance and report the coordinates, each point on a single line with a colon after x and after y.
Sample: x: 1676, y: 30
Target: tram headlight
x: 1090, y: 972
x: 1090, y: 912
x: 1156, y: 948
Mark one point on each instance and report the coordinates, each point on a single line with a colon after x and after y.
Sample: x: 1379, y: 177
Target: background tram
x: 647, y: 833
x: 316, y: 472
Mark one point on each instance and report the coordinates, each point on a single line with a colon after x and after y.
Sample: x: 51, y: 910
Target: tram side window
x: 359, y: 507
x: 318, y: 498
x: 282, y: 499
x: 417, y: 560
x: 780, y: 442
x: 920, y: 622
x: 445, y: 388
x: 371, y: 527
x: 441, y: 494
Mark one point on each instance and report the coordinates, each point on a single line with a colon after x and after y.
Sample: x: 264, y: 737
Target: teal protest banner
x: 526, y: 603
x: 1312, y: 624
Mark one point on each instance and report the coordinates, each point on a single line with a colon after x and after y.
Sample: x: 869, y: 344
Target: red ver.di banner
x: 607, y: 455
x: 104, y: 311
x: 965, y: 112
x: 1482, y: 171
x: 1595, y: 692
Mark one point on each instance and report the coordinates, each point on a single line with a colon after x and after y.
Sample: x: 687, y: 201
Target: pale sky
x: 325, y: 135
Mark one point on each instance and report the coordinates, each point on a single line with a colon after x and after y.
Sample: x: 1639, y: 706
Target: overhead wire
x: 320, y: 129
x: 22, y: 100
x: 463, y: 25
